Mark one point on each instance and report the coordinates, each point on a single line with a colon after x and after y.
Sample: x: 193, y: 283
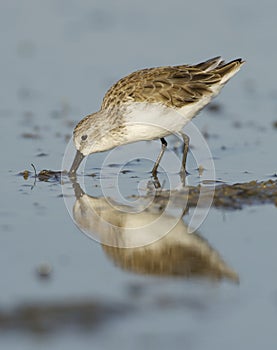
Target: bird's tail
x: 227, y: 70
x: 210, y: 64
x: 218, y: 65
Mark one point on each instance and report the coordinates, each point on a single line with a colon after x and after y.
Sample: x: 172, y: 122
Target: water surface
x: 57, y: 61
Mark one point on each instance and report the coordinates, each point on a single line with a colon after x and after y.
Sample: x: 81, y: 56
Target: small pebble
x: 25, y: 174
x: 44, y: 270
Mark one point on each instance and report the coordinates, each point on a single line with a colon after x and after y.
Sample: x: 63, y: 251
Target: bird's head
x: 83, y: 136
x: 96, y: 133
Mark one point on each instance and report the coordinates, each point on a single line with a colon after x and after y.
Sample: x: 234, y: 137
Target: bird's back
x: 175, y: 86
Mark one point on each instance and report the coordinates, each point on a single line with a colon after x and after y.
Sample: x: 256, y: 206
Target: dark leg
x: 164, y: 144
x: 185, y: 152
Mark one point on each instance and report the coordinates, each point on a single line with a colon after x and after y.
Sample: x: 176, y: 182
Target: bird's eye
x: 84, y: 137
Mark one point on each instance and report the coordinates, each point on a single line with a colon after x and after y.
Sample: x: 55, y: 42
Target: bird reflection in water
x: 136, y: 241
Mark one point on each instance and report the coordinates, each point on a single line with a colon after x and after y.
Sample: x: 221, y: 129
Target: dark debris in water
x: 25, y: 174
x: 225, y: 195
x: 214, y: 107
x: 125, y: 171
x: 228, y: 196
x: 53, y: 317
x: 238, y: 195
x: 253, y: 192
x: 29, y: 135
x: 275, y: 124
x: 43, y: 175
x: 42, y: 154
x: 48, y: 175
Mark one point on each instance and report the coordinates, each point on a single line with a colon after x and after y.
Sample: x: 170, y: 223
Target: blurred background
x: 57, y: 60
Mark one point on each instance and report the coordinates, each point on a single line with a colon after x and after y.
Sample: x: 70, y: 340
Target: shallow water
x: 57, y: 61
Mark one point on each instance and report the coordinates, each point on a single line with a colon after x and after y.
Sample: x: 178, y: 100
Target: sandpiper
x: 151, y: 104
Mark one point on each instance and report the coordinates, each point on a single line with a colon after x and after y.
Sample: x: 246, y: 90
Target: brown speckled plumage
x: 172, y: 86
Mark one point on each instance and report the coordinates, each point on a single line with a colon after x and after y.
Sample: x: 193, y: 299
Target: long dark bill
x: 76, y: 162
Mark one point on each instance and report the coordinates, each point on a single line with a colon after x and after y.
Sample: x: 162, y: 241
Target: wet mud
x: 231, y: 196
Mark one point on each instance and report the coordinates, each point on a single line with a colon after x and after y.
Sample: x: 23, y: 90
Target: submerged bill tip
x: 76, y: 162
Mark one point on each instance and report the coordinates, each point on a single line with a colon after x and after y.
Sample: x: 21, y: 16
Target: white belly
x: 147, y: 121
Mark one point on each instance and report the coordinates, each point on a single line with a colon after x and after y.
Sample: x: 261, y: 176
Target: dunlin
x: 151, y: 104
